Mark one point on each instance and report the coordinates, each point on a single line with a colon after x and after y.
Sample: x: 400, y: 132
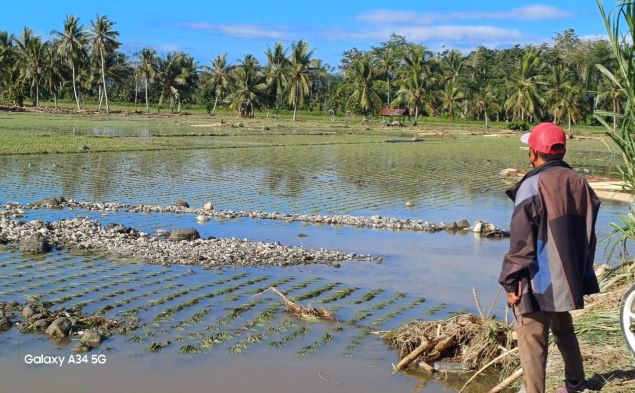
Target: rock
x: 162, y: 233
x: 5, y: 322
x: 302, y: 234
x: 40, y: 324
x: 478, y: 227
x: 27, y: 312
x: 489, y: 228
x: 35, y: 244
x: 410, y: 204
x: 91, y: 338
x: 60, y: 328
x: 51, y: 202
x: 184, y: 234
x: 202, y: 218
x: 451, y: 226
x: 463, y: 224
x: 181, y: 203
x: 208, y: 206
x: 80, y: 347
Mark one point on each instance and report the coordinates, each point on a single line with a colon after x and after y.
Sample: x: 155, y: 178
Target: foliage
x: 518, y: 125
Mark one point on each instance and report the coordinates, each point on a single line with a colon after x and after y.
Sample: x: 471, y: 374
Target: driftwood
x: 485, y: 367
x: 305, y: 312
x: 423, y: 347
x: 507, y: 381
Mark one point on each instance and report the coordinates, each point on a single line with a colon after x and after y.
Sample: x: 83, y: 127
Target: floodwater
x: 424, y: 275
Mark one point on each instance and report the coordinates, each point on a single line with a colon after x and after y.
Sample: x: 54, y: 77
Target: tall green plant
x: 620, y: 26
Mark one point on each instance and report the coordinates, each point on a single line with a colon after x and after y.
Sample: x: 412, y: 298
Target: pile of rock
x: 182, y: 246
x: 208, y: 211
x: 63, y: 324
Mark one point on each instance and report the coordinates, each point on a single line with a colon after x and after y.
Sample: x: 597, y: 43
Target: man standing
x: 549, y: 266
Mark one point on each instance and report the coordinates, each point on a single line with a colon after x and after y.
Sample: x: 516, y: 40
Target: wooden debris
x: 300, y: 311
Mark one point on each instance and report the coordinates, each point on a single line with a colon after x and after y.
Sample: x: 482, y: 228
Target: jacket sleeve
x: 522, y: 245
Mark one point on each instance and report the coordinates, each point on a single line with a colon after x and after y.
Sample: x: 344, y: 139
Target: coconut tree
x: 486, y: 100
x: 298, y: 75
x: 103, y: 41
x: 52, y: 76
x: 362, y: 83
x: 452, y: 98
x: 525, y: 97
x: 276, y: 71
x: 319, y: 77
x: 30, y: 57
x: 415, y: 80
x: 612, y: 95
x: 218, y: 78
x: 6, y: 60
x: 248, y: 86
x: 568, y: 106
x: 148, y: 65
x: 72, y: 41
x: 557, y: 83
x: 177, y: 78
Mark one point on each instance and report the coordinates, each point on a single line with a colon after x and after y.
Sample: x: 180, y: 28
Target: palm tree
x: 248, y: 86
x: 484, y: 101
x: 568, y: 107
x: 103, y: 43
x: 177, y: 77
x: 276, y: 71
x: 52, y: 74
x: 525, y: 95
x: 6, y: 58
x: 30, y: 56
x: 452, y: 66
x: 298, y: 75
x: 148, y: 64
x: 558, y: 82
x: 452, y: 98
x: 218, y: 78
x: 319, y: 73
x: 72, y: 47
x: 612, y: 95
x: 361, y: 81
x: 415, y: 80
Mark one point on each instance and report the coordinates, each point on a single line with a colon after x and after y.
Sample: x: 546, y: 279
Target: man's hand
x: 512, y: 299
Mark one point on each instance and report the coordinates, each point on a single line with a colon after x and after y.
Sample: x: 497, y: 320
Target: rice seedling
x: 293, y: 336
x: 315, y: 346
x: 301, y: 285
x: 263, y: 318
x: 243, y: 344
x: 435, y: 309
x: 368, y: 296
x: 314, y: 293
x: 395, y: 313
x: 236, y: 312
x: 190, y: 349
x: 355, y: 342
x: 157, y: 345
x: 341, y: 294
x: 136, y: 339
x: 276, y: 283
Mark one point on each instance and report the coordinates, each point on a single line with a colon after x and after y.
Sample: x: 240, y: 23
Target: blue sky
x: 206, y: 28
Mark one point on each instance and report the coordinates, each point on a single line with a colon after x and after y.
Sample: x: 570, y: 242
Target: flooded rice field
x: 200, y: 328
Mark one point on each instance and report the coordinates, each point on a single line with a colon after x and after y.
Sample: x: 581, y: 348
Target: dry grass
x: 464, y: 338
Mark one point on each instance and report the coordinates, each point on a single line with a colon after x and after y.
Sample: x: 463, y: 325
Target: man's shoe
x: 573, y: 388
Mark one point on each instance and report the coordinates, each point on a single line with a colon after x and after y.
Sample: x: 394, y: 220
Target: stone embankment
x: 207, y: 211
x: 182, y: 246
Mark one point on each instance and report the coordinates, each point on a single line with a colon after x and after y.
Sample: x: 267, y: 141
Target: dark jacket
x: 552, y: 245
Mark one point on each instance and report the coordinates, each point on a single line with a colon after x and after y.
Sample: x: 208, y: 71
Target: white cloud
x: 240, y: 30
x: 448, y: 33
x: 530, y: 12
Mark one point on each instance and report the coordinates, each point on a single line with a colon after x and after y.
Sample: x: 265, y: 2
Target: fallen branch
x: 306, y: 312
x: 485, y: 367
x: 507, y: 381
x: 478, y: 303
x: 423, y: 347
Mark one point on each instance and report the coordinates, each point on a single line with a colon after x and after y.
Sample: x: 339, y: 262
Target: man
x: 549, y: 267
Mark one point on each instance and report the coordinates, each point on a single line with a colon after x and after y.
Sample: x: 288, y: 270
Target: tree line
x: 556, y: 81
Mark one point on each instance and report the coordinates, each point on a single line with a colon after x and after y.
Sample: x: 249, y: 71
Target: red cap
x: 544, y: 136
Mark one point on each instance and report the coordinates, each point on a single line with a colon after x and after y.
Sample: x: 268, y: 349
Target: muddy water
x: 423, y: 275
